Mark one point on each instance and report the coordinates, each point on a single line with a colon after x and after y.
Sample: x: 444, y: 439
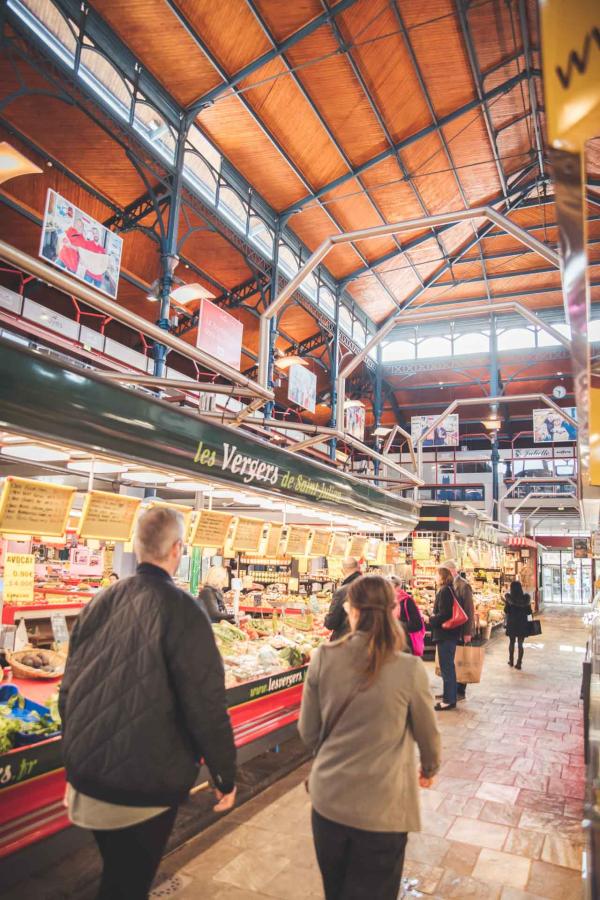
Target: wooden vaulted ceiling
x: 375, y: 116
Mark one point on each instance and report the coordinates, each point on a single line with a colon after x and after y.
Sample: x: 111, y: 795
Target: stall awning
x: 47, y: 399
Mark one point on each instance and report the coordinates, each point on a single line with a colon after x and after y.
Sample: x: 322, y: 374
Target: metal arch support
x: 481, y: 212
x: 538, y: 495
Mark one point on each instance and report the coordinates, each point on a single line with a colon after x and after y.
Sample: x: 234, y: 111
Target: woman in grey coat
x: 365, y: 704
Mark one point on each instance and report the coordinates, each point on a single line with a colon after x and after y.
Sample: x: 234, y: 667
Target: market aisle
x: 503, y: 820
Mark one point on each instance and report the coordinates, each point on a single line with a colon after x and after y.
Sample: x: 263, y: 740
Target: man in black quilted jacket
x: 142, y: 702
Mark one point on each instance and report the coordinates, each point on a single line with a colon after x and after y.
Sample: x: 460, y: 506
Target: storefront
x: 566, y: 581
x: 77, y: 469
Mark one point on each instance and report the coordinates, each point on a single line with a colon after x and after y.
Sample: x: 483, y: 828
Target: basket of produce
x: 36, y: 663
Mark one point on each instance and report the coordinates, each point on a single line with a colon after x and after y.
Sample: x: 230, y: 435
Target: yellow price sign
x: 19, y: 577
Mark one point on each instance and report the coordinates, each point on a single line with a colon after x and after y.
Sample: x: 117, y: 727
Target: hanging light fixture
x: 13, y: 163
x: 493, y: 423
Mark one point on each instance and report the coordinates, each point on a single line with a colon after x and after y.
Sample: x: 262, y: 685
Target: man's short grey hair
x: 157, y: 530
x: 350, y: 564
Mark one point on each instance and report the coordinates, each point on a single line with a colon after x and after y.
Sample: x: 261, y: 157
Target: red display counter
x: 32, y: 779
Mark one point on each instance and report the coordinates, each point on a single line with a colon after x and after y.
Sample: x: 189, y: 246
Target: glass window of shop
x: 565, y: 580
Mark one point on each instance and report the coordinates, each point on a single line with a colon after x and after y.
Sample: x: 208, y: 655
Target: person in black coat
x: 517, y: 608
x: 142, y: 702
x: 446, y: 639
x: 211, y: 596
x: 336, y: 619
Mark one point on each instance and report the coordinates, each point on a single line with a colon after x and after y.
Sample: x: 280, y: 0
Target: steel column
x: 335, y: 367
x: 495, y: 391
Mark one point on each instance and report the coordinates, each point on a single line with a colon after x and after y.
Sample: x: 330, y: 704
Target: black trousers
x: 511, y: 646
x: 131, y: 857
x: 356, y: 864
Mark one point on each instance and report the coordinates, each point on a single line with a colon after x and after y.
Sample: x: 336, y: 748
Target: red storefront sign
x: 219, y: 334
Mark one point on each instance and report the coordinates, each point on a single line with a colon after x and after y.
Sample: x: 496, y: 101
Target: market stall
x: 76, y: 472
x: 477, y: 549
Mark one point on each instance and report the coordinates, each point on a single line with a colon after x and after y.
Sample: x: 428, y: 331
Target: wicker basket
x: 21, y: 671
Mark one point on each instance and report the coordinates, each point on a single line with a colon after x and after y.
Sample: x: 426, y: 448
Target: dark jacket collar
x: 351, y: 578
x: 150, y: 569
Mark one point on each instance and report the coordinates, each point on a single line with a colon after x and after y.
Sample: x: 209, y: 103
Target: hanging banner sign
x: 247, y: 534
x: 108, y: 517
x: 19, y: 577
x: 210, y: 529
x: 445, y: 435
x: 34, y: 507
x: 302, y: 387
x: 355, y: 417
x: 549, y: 427
x: 372, y: 549
x: 220, y: 334
x: 81, y: 246
x: 581, y: 548
x: 321, y: 542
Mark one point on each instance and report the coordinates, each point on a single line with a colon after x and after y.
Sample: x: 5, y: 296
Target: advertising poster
x: 73, y: 241
x: 445, y: 435
x: 550, y: 428
x: 219, y: 334
x: 581, y: 548
x: 302, y: 387
x: 355, y: 419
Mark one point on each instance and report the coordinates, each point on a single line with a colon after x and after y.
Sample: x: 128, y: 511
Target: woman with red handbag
x: 446, y: 623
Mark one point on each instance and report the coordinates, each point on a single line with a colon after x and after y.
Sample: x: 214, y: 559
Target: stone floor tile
x: 295, y: 882
x: 562, y: 852
x: 500, y: 813
x: 558, y: 787
x: 540, y: 802
x: 252, y: 870
x: 461, y: 887
x: 427, y: 877
x: 497, y: 775
x: 480, y: 834
x: 457, y: 769
x: 505, y: 868
x: 525, y: 843
x: 454, y: 805
x: 522, y: 765
x: 431, y: 799
x: 461, y: 858
x: 554, y: 882
x: 510, y: 893
x: 531, y: 782
x: 437, y: 823
x: 500, y: 793
x: 427, y: 848
x: 461, y: 786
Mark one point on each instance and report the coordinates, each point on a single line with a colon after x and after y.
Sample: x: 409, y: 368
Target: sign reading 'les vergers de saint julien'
x: 253, y: 471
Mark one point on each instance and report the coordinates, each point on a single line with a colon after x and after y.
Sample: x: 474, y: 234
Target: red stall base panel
x: 10, y: 610
x: 32, y: 780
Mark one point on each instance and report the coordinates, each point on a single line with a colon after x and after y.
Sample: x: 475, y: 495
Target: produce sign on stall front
x: 186, y: 512
x: 297, y: 541
x: 321, y: 541
x: 357, y: 545
x: 273, y: 542
x: 19, y: 577
x: 210, y: 529
x: 34, y: 507
x: 247, y: 534
x: 108, y: 517
x: 339, y: 543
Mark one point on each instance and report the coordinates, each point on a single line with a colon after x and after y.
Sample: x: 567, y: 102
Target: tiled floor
x: 501, y: 823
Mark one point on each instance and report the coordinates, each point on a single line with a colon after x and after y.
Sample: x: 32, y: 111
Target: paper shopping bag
x: 469, y: 664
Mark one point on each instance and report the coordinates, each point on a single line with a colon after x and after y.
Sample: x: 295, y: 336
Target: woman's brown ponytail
x: 374, y: 598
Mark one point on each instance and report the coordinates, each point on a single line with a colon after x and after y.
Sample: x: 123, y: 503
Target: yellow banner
x: 571, y: 55
x: 19, y: 577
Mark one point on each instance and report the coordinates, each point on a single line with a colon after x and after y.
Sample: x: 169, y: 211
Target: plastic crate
x: 27, y: 714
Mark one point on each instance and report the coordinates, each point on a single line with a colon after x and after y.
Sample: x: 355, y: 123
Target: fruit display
x: 261, y: 647
x: 24, y: 722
